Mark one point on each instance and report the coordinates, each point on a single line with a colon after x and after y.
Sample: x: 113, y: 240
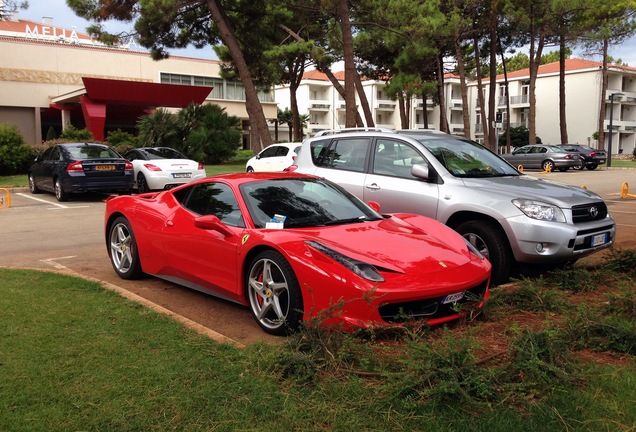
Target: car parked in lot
x: 159, y: 168
x: 80, y: 167
x: 294, y: 247
x: 508, y: 216
x: 592, y: 157
x: 275, y: 157
x: 544, y: 157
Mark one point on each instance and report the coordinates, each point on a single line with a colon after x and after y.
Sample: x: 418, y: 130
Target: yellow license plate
x: 104, y: 167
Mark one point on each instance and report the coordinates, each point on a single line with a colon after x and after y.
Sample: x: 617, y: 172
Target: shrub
x: 119, y: 138
x: 15, y: 154
x: 50, y: 133
x: 72, y: 134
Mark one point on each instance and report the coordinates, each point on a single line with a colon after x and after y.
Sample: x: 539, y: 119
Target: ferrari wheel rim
x: 269, y: 294
x: 121, y: 251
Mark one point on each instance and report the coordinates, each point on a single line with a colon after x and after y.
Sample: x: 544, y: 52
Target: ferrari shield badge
x: 245, y: 238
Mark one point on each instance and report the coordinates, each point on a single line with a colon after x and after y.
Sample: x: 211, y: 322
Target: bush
x: 72, y: 134
x: 119, y: 138
x: 15, y: 155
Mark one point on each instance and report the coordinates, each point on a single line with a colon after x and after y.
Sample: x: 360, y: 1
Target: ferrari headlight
x: 360, y: 268
x: 540, y: 211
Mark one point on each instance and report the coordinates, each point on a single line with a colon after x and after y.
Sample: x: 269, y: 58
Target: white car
x: 275, y: 157
x: 158, y: 168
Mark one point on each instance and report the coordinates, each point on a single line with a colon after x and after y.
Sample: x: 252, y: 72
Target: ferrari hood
x: 396, y: 245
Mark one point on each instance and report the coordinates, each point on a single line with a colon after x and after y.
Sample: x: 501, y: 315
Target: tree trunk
x: 349, y: 68
x: 507, y: 88
x: 404, y: 121
x: 425, y: 110
x: 492, y: 92
x: 562, y: 115
x: 480, y: 90
x: 298, y: 68
x: 462, y: 85
x: 252, y: 104
x: 364, y: 102
x: 535, y: 62
x: 603, y: 109
x: 443, y: 121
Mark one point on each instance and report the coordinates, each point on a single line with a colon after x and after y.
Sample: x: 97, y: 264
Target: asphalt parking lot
x: 40, y: 233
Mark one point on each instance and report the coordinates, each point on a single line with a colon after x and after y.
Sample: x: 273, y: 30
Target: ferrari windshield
x: 299, y: 202
x: 464, y: 158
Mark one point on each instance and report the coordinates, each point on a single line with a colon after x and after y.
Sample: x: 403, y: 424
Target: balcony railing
x: 517, y: 100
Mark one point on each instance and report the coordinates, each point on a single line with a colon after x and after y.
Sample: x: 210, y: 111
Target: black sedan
x: 592, y: 157
x: 80, y: 167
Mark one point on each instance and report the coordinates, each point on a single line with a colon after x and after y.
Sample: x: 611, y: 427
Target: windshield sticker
x: 277, y: 222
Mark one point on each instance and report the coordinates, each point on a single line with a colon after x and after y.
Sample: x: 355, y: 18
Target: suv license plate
x: 599, y: 239
x: 453, y: 298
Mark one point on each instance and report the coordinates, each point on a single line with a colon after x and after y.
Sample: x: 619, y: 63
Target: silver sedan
x: 545, y: 157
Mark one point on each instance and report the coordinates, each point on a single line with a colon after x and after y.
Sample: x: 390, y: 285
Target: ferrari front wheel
x: 122, y: 249
x: 274, y: 294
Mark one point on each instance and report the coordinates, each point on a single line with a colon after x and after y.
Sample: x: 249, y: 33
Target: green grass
x: 74, y: 356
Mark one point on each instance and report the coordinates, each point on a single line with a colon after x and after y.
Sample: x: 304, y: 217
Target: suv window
x: 341, y: 154
x: 395, y: 158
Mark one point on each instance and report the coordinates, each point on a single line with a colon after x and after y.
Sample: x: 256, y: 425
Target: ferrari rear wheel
x: 274, y: 293
x: 122, y: 249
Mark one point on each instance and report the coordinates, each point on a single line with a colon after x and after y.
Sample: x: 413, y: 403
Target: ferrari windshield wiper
x: 346, y: 221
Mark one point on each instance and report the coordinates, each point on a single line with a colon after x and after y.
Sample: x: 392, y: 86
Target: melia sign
x: 53, y: 33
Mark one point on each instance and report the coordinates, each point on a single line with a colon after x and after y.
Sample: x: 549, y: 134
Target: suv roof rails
x: 356, y: 129
x: 423, y: 130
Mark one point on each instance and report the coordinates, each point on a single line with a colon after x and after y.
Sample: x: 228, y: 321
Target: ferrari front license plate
x: 453, y: 298
x: 181, y: 175
x: 104, y: 167
x: 599, y: 239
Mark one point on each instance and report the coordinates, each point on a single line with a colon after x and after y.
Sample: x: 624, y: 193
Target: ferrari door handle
x: 373, y: 186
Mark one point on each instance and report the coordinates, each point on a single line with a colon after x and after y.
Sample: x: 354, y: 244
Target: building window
x: 222, y: 89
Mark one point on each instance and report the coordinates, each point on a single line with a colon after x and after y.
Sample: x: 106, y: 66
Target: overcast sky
x: 63, y: 16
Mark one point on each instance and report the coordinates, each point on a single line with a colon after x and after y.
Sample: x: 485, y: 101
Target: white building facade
x: 325, y: 107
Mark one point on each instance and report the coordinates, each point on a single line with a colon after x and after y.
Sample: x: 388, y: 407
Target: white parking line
x: 41, y: 200
x: 59, y: 206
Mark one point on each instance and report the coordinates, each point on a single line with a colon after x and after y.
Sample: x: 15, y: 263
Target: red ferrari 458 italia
x: 292, y: 247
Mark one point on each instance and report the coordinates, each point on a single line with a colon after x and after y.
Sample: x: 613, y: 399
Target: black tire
x: 591, y: 167
x: 547, y: 165
x: 142, y: 184
x: 60, y: 194
x: 563, y: 169
x: 580, y: 167
x: 249, y: 169
x: 32, y: 187
x: 274, y: 294
x: 122, y: 250
x: 491, y: 241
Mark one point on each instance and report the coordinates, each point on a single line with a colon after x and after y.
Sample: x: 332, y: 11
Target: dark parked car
x: 80, y: 167
x: 545, y: 157
x: 592, y: 157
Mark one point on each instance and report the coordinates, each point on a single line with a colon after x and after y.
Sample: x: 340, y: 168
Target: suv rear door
x: 343, y: 161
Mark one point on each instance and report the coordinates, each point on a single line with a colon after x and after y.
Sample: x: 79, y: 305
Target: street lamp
x: 611, y: 129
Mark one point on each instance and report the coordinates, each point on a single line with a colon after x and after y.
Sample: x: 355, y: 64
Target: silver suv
x: 509, y: 216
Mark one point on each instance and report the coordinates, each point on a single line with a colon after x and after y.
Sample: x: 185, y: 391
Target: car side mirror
x: 374, y: 205
x: 213, y: 223
x: 420, y: 171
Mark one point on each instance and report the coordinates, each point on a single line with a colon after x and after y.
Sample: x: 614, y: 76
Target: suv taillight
x: 75, y: 167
